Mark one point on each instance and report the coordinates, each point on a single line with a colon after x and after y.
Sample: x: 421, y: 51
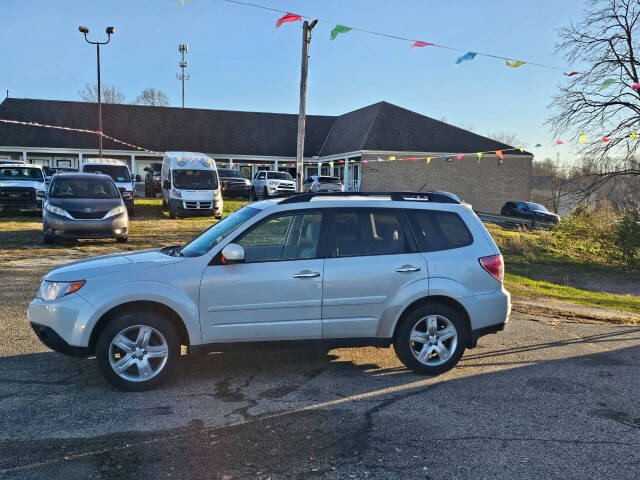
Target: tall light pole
x: 182, y: 48
x: 304, y: 69
x: 110, y: 31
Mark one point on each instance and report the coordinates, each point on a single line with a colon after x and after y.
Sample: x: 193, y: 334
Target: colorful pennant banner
x: 287, y: 18
x: 337, y: 30
x: 466, y: 57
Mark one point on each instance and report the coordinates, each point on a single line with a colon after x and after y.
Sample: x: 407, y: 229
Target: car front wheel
x: 137, y: 350
x: 431, y: 339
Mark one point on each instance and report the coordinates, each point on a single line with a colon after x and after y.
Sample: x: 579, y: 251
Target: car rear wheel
x: 137, y: 350
x: 431, y: 339
x: 121, y: 239
x: 265, y: 193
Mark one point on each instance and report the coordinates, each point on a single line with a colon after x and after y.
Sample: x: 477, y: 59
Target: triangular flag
x: 414, y: 159
x: 331, y: 164
x: 559, y: 142
x: 479, y: 154
x: 428, y: 160
x: 606, y: 139
x: 466, y: 56
x: 607, y: 83
x: 635, y: 86
x: 582, y: 138
x: 460, y: 156
x: 499, y: 154
x: 418, y: 44
x: 634, y: 135
x: 571, y: 74
x: 392, y: 158
x: 289, y: 17
x: 379, y: 159
x: 514, y: 64
x: 443, y: 157
x: 538, y: 145
x: 337, y: 30
x: 521, y: 149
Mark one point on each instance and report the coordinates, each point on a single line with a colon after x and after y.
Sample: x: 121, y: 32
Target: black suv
x: 233, y: 183
x: 533, y: 211
x: 152, y: 180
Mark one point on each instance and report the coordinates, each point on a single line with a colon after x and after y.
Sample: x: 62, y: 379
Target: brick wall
x: 486, y: 185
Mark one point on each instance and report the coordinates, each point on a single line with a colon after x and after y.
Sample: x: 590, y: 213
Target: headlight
x: 40, y: 193
x: 175, y: 193
x: 58, y: 211
x: 247, y: 182
x: 115, y: 211
x: 50, y: 291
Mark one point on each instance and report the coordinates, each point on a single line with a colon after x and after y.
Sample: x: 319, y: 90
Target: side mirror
x: 232, y: 253
x: 126, y: 196
x: 138, y: 178
x: 166, y: 185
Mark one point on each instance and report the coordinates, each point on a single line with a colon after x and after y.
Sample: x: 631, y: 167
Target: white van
x: 190, y: 184
x: 119, y: 172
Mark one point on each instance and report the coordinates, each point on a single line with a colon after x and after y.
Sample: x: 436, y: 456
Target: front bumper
x: 30, y: 206
x: 196, y: 207
x: 64, y: 325
x: 117, y: 226
x: 235, y: 190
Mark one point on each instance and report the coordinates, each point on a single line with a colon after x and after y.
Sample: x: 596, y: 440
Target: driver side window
x: 284, y: 237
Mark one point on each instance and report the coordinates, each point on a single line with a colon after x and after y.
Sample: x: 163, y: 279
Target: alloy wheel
x: 433, y: 340
x: 138, y: 353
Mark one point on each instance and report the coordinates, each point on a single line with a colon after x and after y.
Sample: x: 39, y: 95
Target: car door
x: 371, y: 257
x: 276, y: 293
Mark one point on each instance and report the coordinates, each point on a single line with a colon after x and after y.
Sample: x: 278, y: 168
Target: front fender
x: 144, y: 291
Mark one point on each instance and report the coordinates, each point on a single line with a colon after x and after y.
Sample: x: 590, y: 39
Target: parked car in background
x: 233, y: 183
x: 22, y: 187
x: 190, y: 185
x: 153, y: 179
x: 529, y: 210
x: 420, y: 273
x: 317, y: 183
x: 267, y: 183
x: 120, y: 174
x: 82, y: 205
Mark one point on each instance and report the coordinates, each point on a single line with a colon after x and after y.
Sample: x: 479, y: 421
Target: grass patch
x: 529, y: 288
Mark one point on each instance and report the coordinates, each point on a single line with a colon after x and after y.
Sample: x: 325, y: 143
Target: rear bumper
x: 488, y: 313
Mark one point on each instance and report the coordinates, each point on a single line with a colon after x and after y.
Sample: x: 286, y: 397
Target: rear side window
x: 437, y: 230
x: 367, y: 232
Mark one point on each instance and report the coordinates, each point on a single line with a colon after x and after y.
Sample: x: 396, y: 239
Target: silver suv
x: 416, y: 271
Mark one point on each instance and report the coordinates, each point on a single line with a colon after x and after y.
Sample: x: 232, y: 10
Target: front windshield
x: 536, y: 206
x: 119, y: 173
x: 279, y: 176
x: 21, y: 174
x: 195, y: 179
x: 229, y: 173
x: 99, y: 188
x: 214, y: 235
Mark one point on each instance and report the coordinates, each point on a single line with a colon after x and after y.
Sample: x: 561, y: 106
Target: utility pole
x: 7, y: 93
x: 182, y: 48
x: 306, y: 40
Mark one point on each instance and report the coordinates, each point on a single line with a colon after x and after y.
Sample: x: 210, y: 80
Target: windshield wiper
x: 173, y: 250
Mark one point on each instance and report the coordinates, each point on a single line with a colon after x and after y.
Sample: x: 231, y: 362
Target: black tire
x: 130, y: 319
x: 265, y: 193
x: 172, y: 212
x: 131, y: 212
x: 122, y: 239
x: 405, y: 349
x: 47, y: 238
x: 252, y: 195
x: 148, y: 193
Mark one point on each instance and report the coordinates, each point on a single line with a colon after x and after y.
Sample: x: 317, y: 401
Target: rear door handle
x: 407, y: 268
x: 307, y: 274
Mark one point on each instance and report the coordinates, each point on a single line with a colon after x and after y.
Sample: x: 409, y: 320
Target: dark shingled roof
x: 381, y: 126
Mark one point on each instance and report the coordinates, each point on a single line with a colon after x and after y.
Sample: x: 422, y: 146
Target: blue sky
x: 239, y: 61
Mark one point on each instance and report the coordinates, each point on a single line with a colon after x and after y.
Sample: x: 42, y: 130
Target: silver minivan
x: 416, y: 271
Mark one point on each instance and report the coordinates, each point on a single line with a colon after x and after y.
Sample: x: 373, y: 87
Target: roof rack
x: 439, y: 197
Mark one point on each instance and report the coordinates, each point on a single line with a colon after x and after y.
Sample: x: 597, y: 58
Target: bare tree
x: 110, y: 94
x: 152, y: 97
x: 507, y: 138
x: 600, y: 101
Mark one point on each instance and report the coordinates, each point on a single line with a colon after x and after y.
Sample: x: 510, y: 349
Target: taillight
x: 494, y: 265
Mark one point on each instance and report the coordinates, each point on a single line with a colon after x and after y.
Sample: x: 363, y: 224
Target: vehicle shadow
x: 302, y: 414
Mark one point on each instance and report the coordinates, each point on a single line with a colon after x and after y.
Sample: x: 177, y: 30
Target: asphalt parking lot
x: 543, y: 399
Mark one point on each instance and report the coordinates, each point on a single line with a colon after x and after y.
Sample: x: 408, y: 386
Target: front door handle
x: 307, y: 274
x: 407, y: 268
